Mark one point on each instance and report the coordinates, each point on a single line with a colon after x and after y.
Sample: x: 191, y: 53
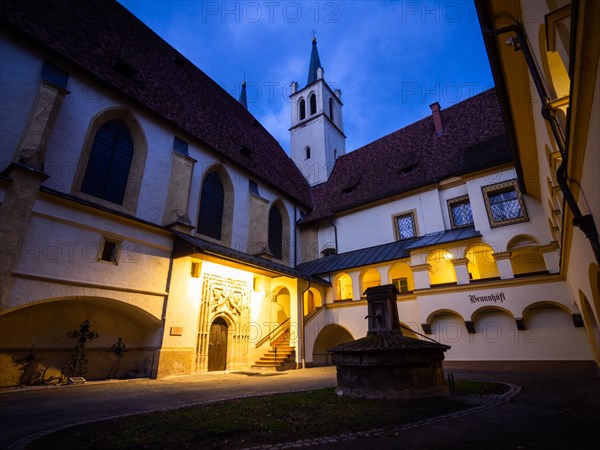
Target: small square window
x: 405, y: 226
x: 401, y: 284
x: 504, y: 204
x: 110, y: 251
x: 460, y: 213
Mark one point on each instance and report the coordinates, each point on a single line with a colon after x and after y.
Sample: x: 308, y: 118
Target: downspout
x: 295, y: 237
x: 163, y: 317
x: 302, y: 340
x: 584, y: 222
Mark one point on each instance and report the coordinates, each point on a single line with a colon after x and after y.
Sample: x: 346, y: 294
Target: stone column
x: 356, y: 291
x: 461, y: 270
x: 504, y: 267
x: 383, y: 274
x: 176, y: 215
x: 421, y: 275
x: 551, y: 254
x: 25, y: 174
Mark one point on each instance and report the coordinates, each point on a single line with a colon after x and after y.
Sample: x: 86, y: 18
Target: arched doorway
x: 217, y: 345
x: 330, y: 336
x: 280, y: 306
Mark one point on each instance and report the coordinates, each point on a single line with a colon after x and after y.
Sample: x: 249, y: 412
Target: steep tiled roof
x: 93, y: 34
x: 474, y: 138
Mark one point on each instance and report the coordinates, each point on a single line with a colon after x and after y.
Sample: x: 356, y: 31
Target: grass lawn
x: 260, y: 420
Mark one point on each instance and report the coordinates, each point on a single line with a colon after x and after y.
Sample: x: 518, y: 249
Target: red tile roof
x: 474, y: 138
x: 93, y: 34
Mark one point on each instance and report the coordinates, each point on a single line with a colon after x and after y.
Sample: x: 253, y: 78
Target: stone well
x: 386, y: 364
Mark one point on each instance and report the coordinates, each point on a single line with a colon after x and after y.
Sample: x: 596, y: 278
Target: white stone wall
x: 431, y: 214
x: 549, y: 334
x: 325, y: 140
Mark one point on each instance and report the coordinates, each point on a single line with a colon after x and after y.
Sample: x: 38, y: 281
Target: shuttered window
x: 210, y: 217
x: 109, y: 164
x: 275, y: 233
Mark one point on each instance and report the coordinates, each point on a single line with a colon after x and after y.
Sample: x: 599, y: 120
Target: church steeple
x: 315, y: 62
x: 317, y: 130
x: 243, y: 99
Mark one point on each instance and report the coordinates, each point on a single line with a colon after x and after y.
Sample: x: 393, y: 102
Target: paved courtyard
x: 553, y: 409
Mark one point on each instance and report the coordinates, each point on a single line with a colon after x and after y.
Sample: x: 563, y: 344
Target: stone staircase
x: 280, y: 356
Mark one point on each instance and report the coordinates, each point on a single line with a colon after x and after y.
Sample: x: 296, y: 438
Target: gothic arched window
x: 276, y: 233
x: 212, y: 200
x: 109, y: 163
x: 307, y: 153
x: 312, y: 100
x: 331, y: 108
x: 302, y: 109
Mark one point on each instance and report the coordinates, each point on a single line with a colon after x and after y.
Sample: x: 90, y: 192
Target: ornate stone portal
x: 385, y: 364
x: 228, y: 299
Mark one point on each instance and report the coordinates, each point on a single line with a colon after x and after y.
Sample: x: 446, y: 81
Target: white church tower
x: 317, y: 133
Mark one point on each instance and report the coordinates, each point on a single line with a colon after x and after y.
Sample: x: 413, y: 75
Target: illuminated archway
x: 525, y: 256
x: 330, y: 336
x: 343, y: 287
x: 369, y: 278
x: 441, y: 268
x: 481, y: 264
x: 401, y: 276
x: 312, y: 300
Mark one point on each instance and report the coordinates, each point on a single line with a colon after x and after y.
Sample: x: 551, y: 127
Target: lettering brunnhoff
x: 499, y: 297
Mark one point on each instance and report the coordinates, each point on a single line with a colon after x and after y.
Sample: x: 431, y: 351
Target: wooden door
x: 217, y: 345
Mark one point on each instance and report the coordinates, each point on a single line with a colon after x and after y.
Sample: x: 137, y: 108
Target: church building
x: 151, y: 226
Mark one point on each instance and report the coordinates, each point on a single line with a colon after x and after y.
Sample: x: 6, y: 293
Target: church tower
x: 317, y: 133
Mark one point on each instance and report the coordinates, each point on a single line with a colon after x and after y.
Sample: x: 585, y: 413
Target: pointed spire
x: 243, y: 99
x: 315, y: 62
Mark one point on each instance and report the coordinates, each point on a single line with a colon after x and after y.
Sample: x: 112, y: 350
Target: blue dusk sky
x: 391, y: 59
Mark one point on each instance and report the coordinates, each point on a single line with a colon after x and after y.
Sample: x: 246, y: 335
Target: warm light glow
x: 448, y: 256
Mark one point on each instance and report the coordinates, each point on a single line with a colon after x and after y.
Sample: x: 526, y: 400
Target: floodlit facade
x: 139, y: 196
x: 545, y: 60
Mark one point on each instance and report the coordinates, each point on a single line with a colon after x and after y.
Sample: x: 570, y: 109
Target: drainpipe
x: 295, y: 237
x: 584, y: 222
x: 302, y: 340
x: 164, y: 309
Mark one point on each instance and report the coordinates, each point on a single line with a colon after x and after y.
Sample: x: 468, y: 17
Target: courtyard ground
x: 554, y: 408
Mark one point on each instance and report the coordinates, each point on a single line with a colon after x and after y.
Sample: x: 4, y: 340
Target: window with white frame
x: 405, y: 226
x: 459, y: 210
x: 504, y: 204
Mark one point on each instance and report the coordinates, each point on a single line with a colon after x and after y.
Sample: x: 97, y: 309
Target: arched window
x: 525, y: 256
x: 400, y: 274
x: 276, y: 233
x: 331, y: 108
x: 109, y: 163
x: 343, y: 287
x: 481, y: 264
x: 313, y: 104
x: 307, y: 153
x: 370, y: 278
x: 302, y: 109
x: 212, y: 199
x: 442, y: 269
